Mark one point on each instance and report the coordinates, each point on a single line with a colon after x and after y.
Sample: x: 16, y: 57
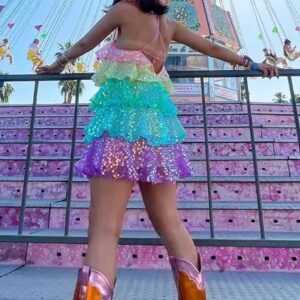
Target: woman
x: 5, y: 51
x: 136, y: 136
x: 34, y: 55
x: 273, y: 59
x: 289, y: 52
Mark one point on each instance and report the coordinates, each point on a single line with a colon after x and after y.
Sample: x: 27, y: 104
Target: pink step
x: 184, y: 105
x: 231, y: 191
x: 142, y: 257
x: 35, y: 218
x: 192, y: 133
x: 221, y: 119
x: 83, y: 109
x: 137, y: 219
x: 218, y: 168
x: 279, y: 133
x: 196, y: 149
x: 271, y: 107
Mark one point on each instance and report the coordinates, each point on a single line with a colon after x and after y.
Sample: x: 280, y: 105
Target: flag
x: 38, y: 27
x: 10, y: 25
x: 260, y: 36
x: 2, y: 7
x: 298, y: 28
x: 275, y: 30
x: 44, y: 35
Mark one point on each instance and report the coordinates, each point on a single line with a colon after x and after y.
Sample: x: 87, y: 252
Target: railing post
x: 72, y: 159
x: 207, y: 158
x: 295, y: 109
x: 28, y: 159
x: 255, y: 164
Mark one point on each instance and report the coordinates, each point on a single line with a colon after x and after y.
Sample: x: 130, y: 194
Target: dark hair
x: 287, y: 42
x: 149, y: 6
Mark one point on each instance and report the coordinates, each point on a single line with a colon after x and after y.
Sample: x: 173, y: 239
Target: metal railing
x: 212, y: 240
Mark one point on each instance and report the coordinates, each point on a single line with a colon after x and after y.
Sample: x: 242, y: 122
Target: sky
x: 68, y: 24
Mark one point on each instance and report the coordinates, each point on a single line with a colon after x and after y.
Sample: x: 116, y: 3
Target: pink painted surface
x: 192, y: 133
x: 273, y: 120
x: 151, y: 256
x: 194, y: 220
x: 35, y: 218
x: 285, y: 149
x: 217, y: 259
x: 279, y: 133
x: 44, y: 168
x: 294, y: 166
x: 13, y: 254
x: 183, y: 102
x: 229, y: 149
x: 241, y: 168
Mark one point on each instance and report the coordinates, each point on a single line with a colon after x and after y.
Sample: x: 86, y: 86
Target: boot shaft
x: 189, y: 280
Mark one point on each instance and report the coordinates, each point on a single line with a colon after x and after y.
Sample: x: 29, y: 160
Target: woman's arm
x: 111, y: 20
x: 195, y: 41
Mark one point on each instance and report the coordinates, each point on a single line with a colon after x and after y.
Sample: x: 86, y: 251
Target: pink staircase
x: 237, y: 244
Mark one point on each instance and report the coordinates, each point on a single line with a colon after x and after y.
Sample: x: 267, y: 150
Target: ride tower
x: 213, y: 22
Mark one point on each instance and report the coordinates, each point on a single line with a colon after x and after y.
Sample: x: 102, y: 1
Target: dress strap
x: 157, y: 35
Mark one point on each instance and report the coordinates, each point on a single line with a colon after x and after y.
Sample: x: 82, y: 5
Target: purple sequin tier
x: 115, y: 158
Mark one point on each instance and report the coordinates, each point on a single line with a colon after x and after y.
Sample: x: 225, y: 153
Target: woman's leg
x: 108, y: 206
x: 160, y: 202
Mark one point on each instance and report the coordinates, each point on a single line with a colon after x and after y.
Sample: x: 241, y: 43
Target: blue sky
x: 71, y: 25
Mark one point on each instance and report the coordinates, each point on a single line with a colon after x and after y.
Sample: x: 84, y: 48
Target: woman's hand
x: 55, y: 68
x: 268, y: 70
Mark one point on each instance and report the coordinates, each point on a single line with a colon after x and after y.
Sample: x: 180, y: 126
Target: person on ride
x: 273, y: 59
x: 289, y: 52
x: 5, y: 51
x: 97, y: 64
x: 136, y: 137
x: 34, y: 55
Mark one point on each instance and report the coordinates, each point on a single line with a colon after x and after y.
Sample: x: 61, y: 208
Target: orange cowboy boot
x: 92, y: 285
x: 189, y: 280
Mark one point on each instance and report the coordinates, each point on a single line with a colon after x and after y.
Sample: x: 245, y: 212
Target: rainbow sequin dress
x: 135, y: 133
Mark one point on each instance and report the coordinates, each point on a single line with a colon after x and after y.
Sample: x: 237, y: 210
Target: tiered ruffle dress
x: 135, y: 133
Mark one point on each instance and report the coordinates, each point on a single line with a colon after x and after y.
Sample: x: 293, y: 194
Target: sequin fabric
x: 135, y: 133
x: 116, y: 158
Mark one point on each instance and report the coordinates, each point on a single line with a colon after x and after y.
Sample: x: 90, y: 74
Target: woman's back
x: 144, y: 32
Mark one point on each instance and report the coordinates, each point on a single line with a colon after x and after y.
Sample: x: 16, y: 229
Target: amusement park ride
x: 207, y: 17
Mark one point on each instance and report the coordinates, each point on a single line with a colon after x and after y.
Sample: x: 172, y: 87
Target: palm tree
x: 68, y: 87
x: 280, y: 98
x: 6, y: 91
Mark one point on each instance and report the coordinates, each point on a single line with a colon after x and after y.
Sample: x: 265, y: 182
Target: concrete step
x: 193, y: 149
x: 136, y: 218
x: 271, y: 192
x: 194, y: 179
x: 181, y: 112
x: 191, y: 119
x: 138, y: 204
x: 284, y: 168
x: 182, y: 104
x: 192, y: 133
x: 58, y: 284
x: 225, y: 258
x: 138, y: 237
